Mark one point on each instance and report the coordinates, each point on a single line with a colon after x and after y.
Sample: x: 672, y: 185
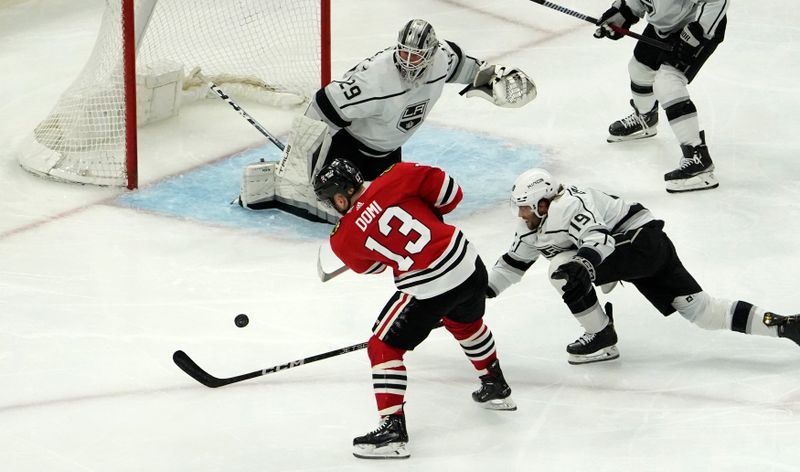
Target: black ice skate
x: 388, y: 441
x: 494, y: 394
x: 788, y: 326
x: 595, y: 347
x: 696, y: 171
x: 634, y: 126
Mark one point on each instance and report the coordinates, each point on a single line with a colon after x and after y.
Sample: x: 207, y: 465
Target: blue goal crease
x: 484, y: 166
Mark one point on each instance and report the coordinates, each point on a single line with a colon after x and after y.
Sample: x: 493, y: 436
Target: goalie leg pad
x: 258, y: 186
x: 309, y: 141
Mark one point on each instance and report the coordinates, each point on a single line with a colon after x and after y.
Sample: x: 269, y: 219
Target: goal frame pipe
x: 132, y: 32
x: 325, y: 42
x: 129, y: 84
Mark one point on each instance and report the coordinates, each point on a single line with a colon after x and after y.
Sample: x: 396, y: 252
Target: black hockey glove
x: 620, y: 16
x: 489, y: 292
x: 579, y: 274
x: 687, y: 45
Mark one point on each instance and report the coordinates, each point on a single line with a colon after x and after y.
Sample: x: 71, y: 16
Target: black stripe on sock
x: 680, y: 109
x: 641, y: 89
x: 741, y: 313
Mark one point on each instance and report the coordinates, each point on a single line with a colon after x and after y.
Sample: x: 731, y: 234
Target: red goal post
x: 151, y: 56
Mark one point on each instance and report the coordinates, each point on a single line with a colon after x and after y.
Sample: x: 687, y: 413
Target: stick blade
x: 325, y: 276
x: 186, y: 364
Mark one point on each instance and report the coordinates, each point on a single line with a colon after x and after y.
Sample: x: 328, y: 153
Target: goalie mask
x: 532, y: 186
x: 340, y: 176
x: 416, y: 45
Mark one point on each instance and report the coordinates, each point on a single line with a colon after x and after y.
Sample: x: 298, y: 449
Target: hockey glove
x: 688, y: 44
x: 579, y: 274
x: 618, y: 16
x: 504, y: 86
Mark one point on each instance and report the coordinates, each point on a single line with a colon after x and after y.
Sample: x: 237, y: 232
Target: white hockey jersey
x: 378, y: 107
x: 577, y: 218
x: 669, y: 16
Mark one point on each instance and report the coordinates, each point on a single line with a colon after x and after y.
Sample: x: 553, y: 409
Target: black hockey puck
x: 241, y: 320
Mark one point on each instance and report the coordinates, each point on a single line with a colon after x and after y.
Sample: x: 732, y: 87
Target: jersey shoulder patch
x: 388, y: 169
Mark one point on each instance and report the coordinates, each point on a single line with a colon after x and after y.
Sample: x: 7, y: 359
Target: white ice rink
x: 95, y: 297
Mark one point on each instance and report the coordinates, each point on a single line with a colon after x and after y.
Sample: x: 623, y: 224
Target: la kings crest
x: 412, y: 116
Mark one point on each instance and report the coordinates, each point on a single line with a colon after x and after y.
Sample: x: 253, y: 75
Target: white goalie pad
x: 286, y: 184
x: 504, y: 86
x: 309, y: 141
x: 258, y: 186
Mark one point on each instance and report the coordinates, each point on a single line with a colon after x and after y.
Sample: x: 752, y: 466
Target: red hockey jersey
x: 397, y: 223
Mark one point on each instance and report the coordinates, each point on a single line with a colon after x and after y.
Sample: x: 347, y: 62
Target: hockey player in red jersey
x: 396, y: 222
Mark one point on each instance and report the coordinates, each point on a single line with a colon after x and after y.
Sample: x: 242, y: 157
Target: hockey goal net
x: 151, y: 55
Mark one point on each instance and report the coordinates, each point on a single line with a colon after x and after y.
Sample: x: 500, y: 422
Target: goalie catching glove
x: 503, y: 86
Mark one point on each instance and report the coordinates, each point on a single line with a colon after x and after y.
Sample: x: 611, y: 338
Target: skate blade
x: 704, y: 181
x: 606, y: 354
x: 503, y: 404
x: 649, y: 133
x: 396, y: 450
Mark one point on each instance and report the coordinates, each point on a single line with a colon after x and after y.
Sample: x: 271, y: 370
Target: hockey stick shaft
x: 595, y: 21
x: 186, y: 364
x: 214, y: 88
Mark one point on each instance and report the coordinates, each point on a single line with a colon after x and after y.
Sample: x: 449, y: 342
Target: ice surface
x: 97, y: 288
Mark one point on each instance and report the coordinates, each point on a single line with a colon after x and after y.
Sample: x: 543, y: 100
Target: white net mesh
x: 264, y: 49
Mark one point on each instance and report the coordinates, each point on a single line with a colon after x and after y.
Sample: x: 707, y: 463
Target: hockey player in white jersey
x: 594, y: 238
x: 694, y: 28
x: 369, y: 114
x: 382, y: 101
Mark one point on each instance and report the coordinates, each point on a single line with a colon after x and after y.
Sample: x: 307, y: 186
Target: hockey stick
x: 326, y: 276
x: 652, y: 42
x: 196, y: 372
x: 186, y: 364
x: 214, y: 88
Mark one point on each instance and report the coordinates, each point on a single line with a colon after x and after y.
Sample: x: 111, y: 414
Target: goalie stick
x: 186, y: 364
x: 214, y: 88
x: 653, y: 42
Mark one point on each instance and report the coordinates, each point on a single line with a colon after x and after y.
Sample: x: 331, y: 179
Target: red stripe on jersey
x: 391, y: 316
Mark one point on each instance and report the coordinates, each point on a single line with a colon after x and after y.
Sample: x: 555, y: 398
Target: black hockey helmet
x: 338, y: 176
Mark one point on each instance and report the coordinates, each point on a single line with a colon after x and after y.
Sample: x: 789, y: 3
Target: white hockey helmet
x: 416, y: 45
x: 532, y: 186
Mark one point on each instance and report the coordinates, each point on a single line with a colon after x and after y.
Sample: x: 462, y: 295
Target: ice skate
x: 494, y: 394
x: 788, y: 326
x: 634, y: 126
x: 595, y: 347
x: 696, y: 171
x: 388, y: 441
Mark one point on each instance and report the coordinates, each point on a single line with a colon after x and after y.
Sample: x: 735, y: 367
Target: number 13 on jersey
x: 418, y: 235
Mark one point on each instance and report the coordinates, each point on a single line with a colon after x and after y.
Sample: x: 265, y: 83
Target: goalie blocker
x: 285, y: 184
